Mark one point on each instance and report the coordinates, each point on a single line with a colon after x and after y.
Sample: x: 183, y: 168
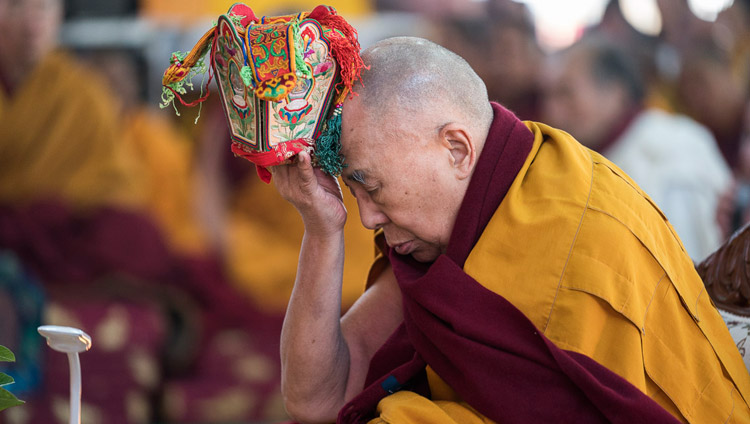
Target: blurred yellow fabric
x: 59, y: 139
x: 166, y: 156
x: 741, y: 64
x: 187, y: 11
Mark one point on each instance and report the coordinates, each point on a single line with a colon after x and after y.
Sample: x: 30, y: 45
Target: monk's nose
x: 372, y: 217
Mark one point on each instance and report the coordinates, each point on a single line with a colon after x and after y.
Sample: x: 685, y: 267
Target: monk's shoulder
x: 524, y: 249
x: 568, y: 220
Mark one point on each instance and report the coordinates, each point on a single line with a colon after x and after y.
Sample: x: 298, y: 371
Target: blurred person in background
x: 713, y: 93
x: 69, y: 197
x: 737, y: 204
x: 703, y: 68
x: 163, y: 151
x: 680, y: 26
x: 81, y: 212
x: 58, y: 128
x: 732, y: 32
x: 500, y: 44
x: 615, y: 28
x: 596, y: 93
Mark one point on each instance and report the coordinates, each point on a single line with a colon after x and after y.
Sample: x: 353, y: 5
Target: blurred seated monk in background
x: 713, y: 88
x: 523, y: 277
x: 164, y: 153
x: 596, y: 93
x: 97, y: 209
x: 58, y: 127
x: 502, y: 48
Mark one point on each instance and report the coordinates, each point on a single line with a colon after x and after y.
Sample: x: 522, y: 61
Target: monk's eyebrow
x: 357, y: 176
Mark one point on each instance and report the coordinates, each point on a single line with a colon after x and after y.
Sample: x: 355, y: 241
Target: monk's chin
x: 425, y: 257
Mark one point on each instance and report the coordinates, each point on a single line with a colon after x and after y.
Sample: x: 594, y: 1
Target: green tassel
x: 181, y: 87
x: 328, y: 146
x: 247, y: 76
x: 167, y: 99
x: 236, y: 19
x: 303, y: 70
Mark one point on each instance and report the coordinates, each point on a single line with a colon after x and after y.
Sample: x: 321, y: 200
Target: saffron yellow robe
x: 59, y: 139
x: 165, y: 156
x: 62, y: 137
x: 587, y: 257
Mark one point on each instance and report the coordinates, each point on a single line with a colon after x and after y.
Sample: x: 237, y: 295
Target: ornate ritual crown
x: 282, y: 80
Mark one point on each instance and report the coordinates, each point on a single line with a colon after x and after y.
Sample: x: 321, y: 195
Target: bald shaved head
x: 411, y: 139
x: 426, y: 80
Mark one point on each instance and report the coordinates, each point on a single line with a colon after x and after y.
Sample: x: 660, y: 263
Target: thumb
x: 306, y: 173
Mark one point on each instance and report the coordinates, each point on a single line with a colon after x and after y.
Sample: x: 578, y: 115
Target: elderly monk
x: 523, y: 277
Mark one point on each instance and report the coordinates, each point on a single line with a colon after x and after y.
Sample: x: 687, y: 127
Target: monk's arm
x: 324, y: 357
x: 313, y: 351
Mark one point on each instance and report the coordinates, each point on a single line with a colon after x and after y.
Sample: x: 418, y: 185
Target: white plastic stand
x: 71, y: 341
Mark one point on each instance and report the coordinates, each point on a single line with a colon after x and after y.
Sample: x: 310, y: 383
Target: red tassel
x: 200, y: 100
x: 321, y: 12
x: 344, y: 43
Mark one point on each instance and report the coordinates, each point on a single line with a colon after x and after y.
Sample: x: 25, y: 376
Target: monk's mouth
x: 404, y: 248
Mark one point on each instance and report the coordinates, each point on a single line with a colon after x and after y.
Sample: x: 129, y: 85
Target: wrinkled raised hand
x: 316, y: 196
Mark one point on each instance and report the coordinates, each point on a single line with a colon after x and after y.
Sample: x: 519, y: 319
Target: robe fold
x: 564, y: 296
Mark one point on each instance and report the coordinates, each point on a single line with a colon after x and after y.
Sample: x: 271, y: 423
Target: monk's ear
x: 457, y: 139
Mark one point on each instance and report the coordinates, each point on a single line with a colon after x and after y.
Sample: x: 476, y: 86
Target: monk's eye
x: 372, y: 191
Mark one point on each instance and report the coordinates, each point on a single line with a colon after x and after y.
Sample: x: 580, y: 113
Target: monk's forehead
x: 359, y: 126
x: 371, y: 137
x: 364, y: 144
x: 361, y: 151
x: 354, y: 112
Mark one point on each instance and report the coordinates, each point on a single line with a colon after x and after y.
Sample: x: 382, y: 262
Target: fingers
x: 304, y: 161
x: 301, y: 183
x: 328, y: 183
x: 306, y: 172
x: 296, y: 181
x: 314, y: 194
